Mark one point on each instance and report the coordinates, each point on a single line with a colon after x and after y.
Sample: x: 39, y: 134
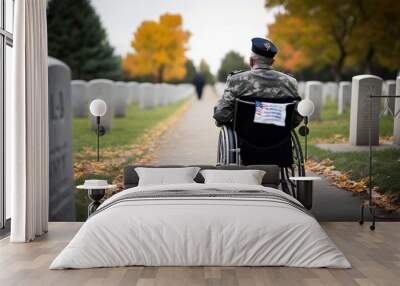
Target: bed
x: 198, y: 224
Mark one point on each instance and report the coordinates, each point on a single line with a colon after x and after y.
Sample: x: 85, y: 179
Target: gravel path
x: 194, y: 138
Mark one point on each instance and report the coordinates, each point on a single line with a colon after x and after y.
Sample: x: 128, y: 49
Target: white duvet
x: 200, y: 231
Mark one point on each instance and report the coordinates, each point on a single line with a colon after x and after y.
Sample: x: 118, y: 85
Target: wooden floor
x: 375, y: 257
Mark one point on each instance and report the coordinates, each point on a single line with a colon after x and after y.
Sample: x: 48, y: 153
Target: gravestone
x: 146, y: 96
x: 364, y: 115
x: 344, y: 97
x: 160, y: 91
x: 396, y: 126
x: 80, y: 98
x: 332, y: 91
x: 390, y: 91
x: 61, y: 177
x: 133, y: 92
x: 325, y: 92
x: 301, y: 86
x: 120, y: 98
x: 171, y: 94
x: 314, y: 93
x: 102, y: 89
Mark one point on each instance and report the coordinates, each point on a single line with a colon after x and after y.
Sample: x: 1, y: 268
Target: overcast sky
x: 217, y: 26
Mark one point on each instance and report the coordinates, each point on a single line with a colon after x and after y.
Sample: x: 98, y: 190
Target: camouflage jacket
x: 261, y: 81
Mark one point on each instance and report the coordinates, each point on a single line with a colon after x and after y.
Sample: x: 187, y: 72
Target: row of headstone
x: 118, y: 95
x: 153, y: 95
x: 318, y: 92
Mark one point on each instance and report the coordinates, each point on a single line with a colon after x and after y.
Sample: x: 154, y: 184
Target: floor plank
x: 375, y: 257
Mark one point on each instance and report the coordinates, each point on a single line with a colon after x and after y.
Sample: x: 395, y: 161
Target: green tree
x: 232, y: 61
x: 190, y: 71
x: 204, y: 69
x: 76, y: 36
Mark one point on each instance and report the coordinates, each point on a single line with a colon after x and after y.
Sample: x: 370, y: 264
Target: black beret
x: 263, y: 47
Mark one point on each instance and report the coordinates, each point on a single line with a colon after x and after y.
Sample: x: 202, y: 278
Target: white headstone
x: 332, y: 90
x: 314, y: 93
x: 147, y: 95
x: 344, y: 97
x: 390, y: 91
x: 80, y: 98
x: 61, y: 177
x: 173, y: 91
x: 133, y: 92
x: 325, y: 92
x: 301, y: 87
x: 102, y: 89
x: 120, y: 98
x: 396, y: 127
x: 163, y: 91
x: 364, y: 115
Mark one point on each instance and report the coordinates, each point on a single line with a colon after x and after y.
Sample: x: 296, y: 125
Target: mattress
x: 201, y: 225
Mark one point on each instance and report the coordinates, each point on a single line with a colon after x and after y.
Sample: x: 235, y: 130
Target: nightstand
x: 96, y: 191
x: 305, y: 187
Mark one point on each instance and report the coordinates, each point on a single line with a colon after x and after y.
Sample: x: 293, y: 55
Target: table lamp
x: 305, y: 108
x: 98, y: 108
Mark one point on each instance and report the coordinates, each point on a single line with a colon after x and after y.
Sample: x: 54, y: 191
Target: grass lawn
x: 386, y: 163
x: 125, y: 132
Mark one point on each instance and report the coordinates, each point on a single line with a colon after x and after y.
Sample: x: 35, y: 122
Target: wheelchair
x: 244, y: 142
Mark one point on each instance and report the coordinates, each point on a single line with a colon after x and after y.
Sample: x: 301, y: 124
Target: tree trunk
x: 368, y: 60
x: 337, y: 69
x: 160, y: 77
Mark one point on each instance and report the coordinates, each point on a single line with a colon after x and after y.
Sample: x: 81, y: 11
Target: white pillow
x: 248, y: 177
x: 166, y: 176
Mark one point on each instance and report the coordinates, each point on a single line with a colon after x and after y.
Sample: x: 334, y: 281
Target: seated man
x: 261, y: 81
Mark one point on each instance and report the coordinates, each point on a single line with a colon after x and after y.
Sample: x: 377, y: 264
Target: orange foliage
x: 159, y: 49
x: 286, y: 32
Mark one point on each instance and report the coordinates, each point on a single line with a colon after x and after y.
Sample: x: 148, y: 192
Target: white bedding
x: 200, y: 231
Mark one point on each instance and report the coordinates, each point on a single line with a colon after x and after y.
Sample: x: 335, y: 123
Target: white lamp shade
x: 98, y: 107
x: 305, y: 107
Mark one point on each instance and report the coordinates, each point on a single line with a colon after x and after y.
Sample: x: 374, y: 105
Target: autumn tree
x: 291, y: 57
x: 77, y: 37
x: 159, y: 50
x: 232, y: 61
x: 344, y: 34
x: 377, y: 34
x: 327, y: 27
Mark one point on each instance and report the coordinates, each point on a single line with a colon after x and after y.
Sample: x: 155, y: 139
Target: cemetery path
x: 194, y: 139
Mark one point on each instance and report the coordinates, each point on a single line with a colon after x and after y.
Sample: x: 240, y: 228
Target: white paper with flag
x: 270, y: 113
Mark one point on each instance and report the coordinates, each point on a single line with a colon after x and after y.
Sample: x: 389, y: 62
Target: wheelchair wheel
x: 298, y: 168
x: 298, y: 157
x: 227, y: 147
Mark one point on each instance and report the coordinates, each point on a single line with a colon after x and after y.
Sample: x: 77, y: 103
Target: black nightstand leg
x: 96, y: 196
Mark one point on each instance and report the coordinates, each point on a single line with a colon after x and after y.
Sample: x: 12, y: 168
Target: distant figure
x: 261, y: 81
x: 199, y: 82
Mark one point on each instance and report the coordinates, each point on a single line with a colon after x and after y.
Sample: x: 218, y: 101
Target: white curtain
x: 27, y: 124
